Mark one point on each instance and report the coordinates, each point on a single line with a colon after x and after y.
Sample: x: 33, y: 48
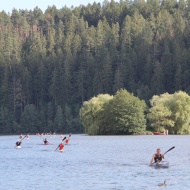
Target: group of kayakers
x: 60, y: 147
x: 42, y: 134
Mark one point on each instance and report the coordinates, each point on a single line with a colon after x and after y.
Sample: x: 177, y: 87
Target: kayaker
x: 18, y: 143
x: 61, y: 146
x: 67, y: 140
x: 20, y: 136
x: 157, y: 157
x: 46, y: 141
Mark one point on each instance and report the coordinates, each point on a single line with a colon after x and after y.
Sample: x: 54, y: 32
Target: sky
x: 8, y: 5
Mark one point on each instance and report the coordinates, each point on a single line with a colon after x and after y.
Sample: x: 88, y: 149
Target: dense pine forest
x: 51, y: 62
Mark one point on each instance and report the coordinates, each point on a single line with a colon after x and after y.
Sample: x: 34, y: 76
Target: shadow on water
x: 159, y: 168
x: 46, y: 150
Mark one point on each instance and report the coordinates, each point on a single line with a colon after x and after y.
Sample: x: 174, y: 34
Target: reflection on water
x: 94, y: 162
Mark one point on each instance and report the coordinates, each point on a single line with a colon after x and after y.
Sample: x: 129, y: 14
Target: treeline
x: 124, y: 113
x: 51, y: 62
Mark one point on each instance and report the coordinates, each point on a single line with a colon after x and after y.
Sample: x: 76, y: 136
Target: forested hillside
x: 50, y: 63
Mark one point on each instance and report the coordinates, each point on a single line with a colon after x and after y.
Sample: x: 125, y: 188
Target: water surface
x: 94, y: 162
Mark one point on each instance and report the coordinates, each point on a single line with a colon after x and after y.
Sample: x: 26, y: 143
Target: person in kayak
x: 45, y: 141
x: 20, y: 136
x: 67, y: 140
x: 61, y: 146
x: 157, y: 157
x: 18, y: 143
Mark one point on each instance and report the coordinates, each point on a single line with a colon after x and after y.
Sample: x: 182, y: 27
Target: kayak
x: 162, y: 164
x: 156, y: 133
x: 18, y: 147
x: 61, y: 150
x: 47, y: 144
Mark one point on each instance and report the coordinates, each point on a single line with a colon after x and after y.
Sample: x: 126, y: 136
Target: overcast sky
x: 8, y: 5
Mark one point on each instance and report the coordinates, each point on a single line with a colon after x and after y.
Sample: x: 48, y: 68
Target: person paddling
x: 45, y: 141
x: 67, y: 140
x: 18, y: 143
x: 21, y: 136
x: 61, y: 146
x: 157, y: 157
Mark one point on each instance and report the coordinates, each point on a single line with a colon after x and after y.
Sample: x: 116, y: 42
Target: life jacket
x: 18, y: 143
x: 61, y: 146
x: 158, y: 158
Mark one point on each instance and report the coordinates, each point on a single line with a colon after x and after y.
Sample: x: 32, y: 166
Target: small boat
x: 162, y: 164
x: 157, y: 133
x: 61, y: 150
x: 18, y: 147
x: 47, y: 144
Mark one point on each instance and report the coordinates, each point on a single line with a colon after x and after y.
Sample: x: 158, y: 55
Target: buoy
x: 61, y: 136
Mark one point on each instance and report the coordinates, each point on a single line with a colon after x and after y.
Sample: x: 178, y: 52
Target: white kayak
x: 61, y: 150
x: 162, y: 164
x: 18, y: 147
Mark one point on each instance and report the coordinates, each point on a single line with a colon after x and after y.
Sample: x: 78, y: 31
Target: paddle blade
x: 63, y: 138
x: 169, y: 149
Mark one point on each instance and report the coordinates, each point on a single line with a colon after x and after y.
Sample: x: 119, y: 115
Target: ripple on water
x: 94, y: 162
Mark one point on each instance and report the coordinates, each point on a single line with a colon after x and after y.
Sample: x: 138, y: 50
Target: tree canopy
x: 56, y: 60
x: 121, y: 113
x: 172, y: 112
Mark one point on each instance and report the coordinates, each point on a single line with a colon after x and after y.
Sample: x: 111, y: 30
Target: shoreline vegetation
x: 53, y: 64
x: 124, y: 113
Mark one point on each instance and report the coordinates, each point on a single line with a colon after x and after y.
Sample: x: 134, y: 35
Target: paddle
x: 61, y: 141
x: 169, y: 149
x: 24, y: 137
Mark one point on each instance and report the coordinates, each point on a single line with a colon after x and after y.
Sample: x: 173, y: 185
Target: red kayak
x: 47, y: 144
x: 156, y: 133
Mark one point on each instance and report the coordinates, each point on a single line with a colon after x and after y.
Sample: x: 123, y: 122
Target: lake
x: 94, y: 162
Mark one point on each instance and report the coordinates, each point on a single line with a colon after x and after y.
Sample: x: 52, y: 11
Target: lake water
x: 94, y: 162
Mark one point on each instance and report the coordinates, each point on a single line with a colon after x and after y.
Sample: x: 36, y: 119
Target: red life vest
x: 61, y: 146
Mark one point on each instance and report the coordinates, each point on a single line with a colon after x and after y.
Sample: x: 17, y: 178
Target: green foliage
x: 30, y: 119
x: 172, y: 112
x: 160, y: 114
x: 90, y: 113
x: 122, y: 113
x: 67, y: 56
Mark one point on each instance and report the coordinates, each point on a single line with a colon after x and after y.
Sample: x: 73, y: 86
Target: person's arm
x: 151, y: 160
x: 162, y: 156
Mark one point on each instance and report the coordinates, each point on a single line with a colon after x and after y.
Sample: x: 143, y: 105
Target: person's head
x: 45, y: 139
x: 18, y: 141
x: 158, y: 151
